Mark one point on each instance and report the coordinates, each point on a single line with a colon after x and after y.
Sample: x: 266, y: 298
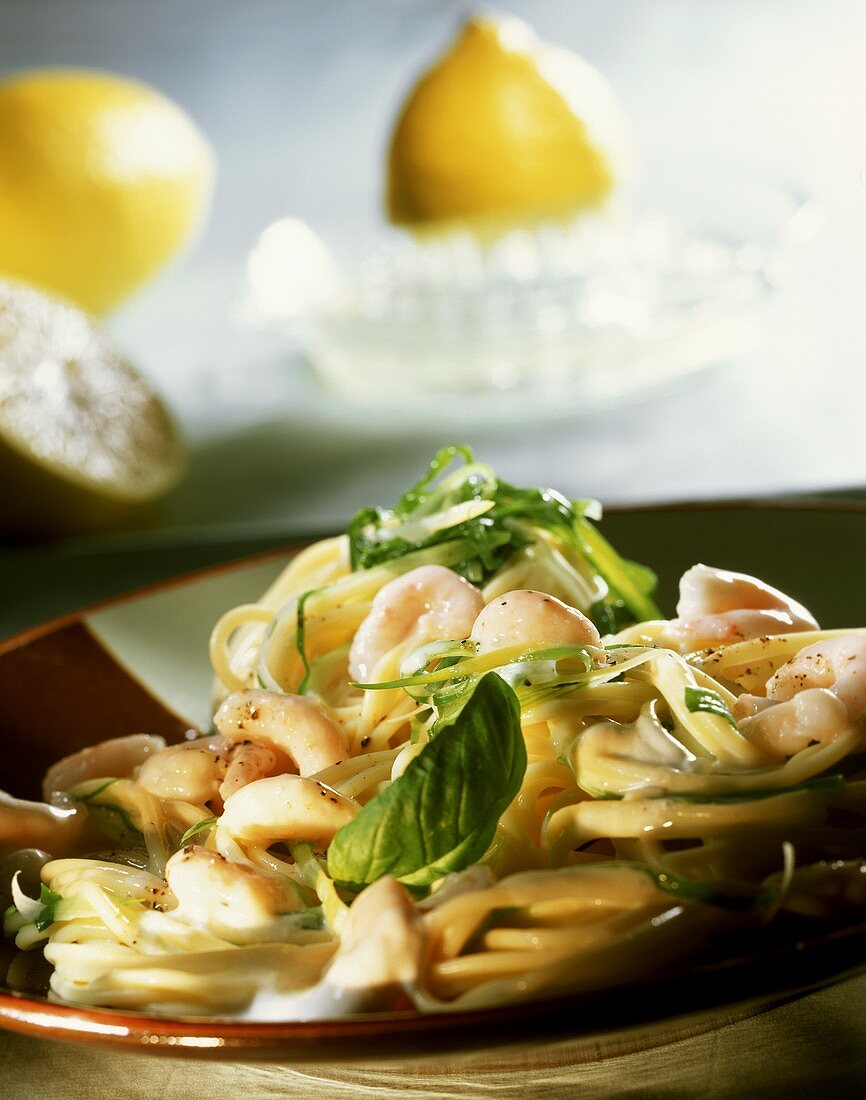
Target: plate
x: 140, y: 663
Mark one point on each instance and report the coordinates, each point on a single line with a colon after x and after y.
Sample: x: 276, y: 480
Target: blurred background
x: 746, y: 119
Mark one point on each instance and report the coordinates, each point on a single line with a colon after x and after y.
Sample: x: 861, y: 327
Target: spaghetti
x: 459, y: 760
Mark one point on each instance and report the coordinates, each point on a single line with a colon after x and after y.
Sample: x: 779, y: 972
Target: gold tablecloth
x: 813, y: 1045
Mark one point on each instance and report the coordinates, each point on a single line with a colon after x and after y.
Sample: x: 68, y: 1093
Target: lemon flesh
x: 503, y: 129
x: 84, y: 441
x: 102, y: 179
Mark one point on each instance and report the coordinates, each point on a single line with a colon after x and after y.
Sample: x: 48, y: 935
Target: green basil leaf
x: 709, y: 702
x: 441, y: 814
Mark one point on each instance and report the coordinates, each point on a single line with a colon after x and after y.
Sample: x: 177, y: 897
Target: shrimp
x: 207, y: 770
x: 717, y: 607
x: 189, y: 772
x: 811, y: 699
x: 427, y: 604
x: 247, y: 762
x: 295, y: 725
x: 381, y: 947
x: 230, y: 900
x: 533, y: 619
x: 114, y: 759
x: 283, y: 807
x: 838, y: 664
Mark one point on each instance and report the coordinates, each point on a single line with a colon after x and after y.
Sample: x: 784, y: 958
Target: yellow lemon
x: 102, y: 179
x: 84, y: 441
x: 504, y: 128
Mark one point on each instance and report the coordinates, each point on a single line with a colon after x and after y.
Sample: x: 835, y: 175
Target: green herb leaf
x: 438, y: 509
x: 441, y: 814
x: 822, y: 783
x: 629, y: 582
x: 727, y: 897
x: 311, y: 919
x: 91, y: 795
x: 115, y: 822
x: 706, y: 700
x: 194, y: 830
x: 49, y: 899
x: 610, y: 616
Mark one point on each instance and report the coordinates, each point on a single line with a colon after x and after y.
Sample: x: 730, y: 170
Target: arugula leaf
x: 50, y: 900
x: 492, y: 520
x: 706, y: 700
x: 610, y: 616
x: 441, y: 814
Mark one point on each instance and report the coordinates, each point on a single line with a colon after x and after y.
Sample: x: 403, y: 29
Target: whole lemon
x: 102, y: 179
x: 504, y: 128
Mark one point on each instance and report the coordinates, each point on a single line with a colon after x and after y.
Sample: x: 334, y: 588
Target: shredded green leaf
x: 194, y: 830
x: 311, y: 919
x: 50, y: 900
x: 692, y: 890
x: 706, y: 700
x: 493, y: 520
x: 822, y: 783
x: 89, y: 797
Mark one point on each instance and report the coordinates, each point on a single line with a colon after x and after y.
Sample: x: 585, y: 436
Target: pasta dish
x: 458, y: 759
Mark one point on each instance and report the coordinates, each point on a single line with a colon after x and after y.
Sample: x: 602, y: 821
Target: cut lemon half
x: 504, y: 129
x: 84, y: 440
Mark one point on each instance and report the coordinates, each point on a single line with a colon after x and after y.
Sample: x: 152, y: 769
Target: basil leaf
x: 709, y: 702
x: 441, y: 814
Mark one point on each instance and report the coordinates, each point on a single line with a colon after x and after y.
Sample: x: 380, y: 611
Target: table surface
x: 775, y: 87
x: 803, y: 1048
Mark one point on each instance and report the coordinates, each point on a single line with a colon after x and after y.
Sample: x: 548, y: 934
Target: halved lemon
x: 504, y: 129
x: 85, y: 442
